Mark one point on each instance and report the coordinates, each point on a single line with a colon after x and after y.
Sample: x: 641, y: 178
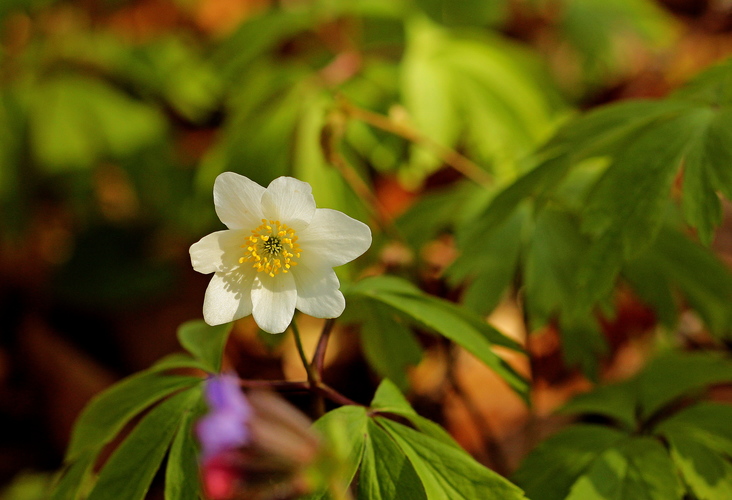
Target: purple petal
x: 225, y: 427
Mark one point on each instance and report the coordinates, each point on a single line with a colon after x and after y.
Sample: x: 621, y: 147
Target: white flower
x: 277, y: 255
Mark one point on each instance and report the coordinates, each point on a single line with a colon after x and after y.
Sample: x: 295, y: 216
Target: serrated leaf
x: 638, y: 467
x: 181, y: 472
x: 447, y: 472
x: 696, y: 272
x: 631, y: 196
x: 490, y: 259
x: 129, y: 471
x: 707, y: 474
x: 549, y: 471
x: 108, y: 412
x: 551, y: 264
x: 389, y: 346
x: 205, y: 342
x: 385, y: 472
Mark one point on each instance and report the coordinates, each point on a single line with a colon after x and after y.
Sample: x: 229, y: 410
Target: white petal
x: 317, y: 292
x: 228, y: 297
x: 219, y: 251
x: 289, y: 201
x: 273, y: 300
x: 333, y: 238
x: 238, y: 201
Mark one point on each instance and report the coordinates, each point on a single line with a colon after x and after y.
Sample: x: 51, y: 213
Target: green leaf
x: 424, y: 86
x: 181, y: 472
x: 74, y: 477
x: 549, y: 471
x: 542, y: 178
x: 447, y: 472
x: 467, y: 12
x: 702, y: 207
x: 436, y: 312
x: 388, y: 399
x: 600, y: 33
x: 75, y: 121
x: 453, y: 322
x: 435, y: 212
x: 674, y: 375
x: 551, y: 264
x: 178, y: 360
x: 456, y: 88
x: 632, y: 195
x: 205, y: 342
x: 706, y: 422
x: 615, y: 401
x: 108, y: 412
x: 662, y: 383
x: 346, y: 430
x: 712, y: 86
x: 386, y: 473
x: 638, y: 467
x: 490, y: 259
x: 697, y: 273
x: 389, y: 346
x: 707, y: 474
x: 129, y: 471
x: 257, y: 36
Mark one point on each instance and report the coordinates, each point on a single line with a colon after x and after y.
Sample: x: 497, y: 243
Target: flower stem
x: 298, y: 342
x: 334, y: 395
x: 319, y: 356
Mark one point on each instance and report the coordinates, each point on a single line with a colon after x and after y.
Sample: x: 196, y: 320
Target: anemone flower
x: 277, y: 254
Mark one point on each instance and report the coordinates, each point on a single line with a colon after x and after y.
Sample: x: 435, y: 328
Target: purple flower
x: 226, y: 426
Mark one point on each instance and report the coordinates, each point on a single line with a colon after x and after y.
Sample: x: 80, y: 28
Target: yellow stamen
x: 271, y: 248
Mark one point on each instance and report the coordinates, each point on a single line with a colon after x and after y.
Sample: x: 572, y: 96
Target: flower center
x: 272, y: 248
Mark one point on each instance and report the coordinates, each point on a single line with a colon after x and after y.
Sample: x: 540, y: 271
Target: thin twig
x: 331, y: 137
x: 334, y: 395
x: 279, y: 385
x: 491, y: 445
x: 448, y: 156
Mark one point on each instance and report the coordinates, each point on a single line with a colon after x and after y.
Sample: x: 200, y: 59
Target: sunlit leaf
x: 447, y: 472
x: 109, y: 411
x: 638, y: 467
x: 549, y: 471
x: 205, y: 342
x: 128, y: 472
x: 386, y: 473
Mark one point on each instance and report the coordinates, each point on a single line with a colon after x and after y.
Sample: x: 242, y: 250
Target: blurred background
x: 116, y: 116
